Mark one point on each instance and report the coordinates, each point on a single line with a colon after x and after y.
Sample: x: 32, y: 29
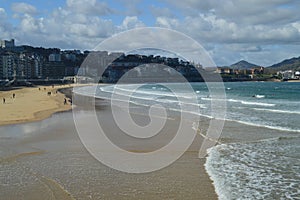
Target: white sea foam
x: 258, y: 103
x: 279, y: 128
x: 211, y: 99
x: 259, y: 96
x: 234, y: 100
x: 256, y: 170
x: 252, y: 103
x: 240, y: 171
x: 278, y: 111
x: 161, y: 92
x: 145, y: 97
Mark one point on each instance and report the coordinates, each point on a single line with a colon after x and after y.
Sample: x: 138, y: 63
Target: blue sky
x: 261, y: 32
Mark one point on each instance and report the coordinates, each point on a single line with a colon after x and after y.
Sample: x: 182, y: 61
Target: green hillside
x: 288, y: 64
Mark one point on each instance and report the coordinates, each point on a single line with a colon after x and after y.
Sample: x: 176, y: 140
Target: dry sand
x: 295, y: 81
x: 31, y: 104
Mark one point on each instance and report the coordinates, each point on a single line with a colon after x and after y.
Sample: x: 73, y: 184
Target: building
x: 8, y: 66
x: 54, y: 57
x: 7, y: 44
x: 297, y: 75
x: 55, y: 70
x: 286, y: 75
x: 37, y: 66
x: 257, y: 70
x: 224, y: 70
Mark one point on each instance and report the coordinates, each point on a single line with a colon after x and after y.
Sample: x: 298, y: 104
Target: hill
x: 242, y: 65
x: 288, y: 64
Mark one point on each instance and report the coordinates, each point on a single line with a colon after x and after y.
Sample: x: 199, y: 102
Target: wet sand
x: 47, y: 160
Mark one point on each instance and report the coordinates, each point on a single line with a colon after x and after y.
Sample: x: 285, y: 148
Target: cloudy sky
x: 260, y: 31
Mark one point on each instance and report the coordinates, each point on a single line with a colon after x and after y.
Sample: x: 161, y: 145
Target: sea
x: 265, y: 166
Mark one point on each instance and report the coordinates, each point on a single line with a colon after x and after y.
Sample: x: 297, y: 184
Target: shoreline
x: 32, y: 104
x: 193, y: 165
x: 61, y: 137
x: 186, y: 178
x: 293, y: 81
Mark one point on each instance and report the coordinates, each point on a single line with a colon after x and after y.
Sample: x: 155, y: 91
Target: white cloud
x: 250, y: 12
x: 244, y: 48
x: 23, y: 8
x: 89, y: 7
x: 64, y: 29
x: 237, y: 29
x: 167, y: 22
x: 2, y: 13
x: 213, y: 29
x: 31, y: 25
x: 77, y: 25
x: 231, y: 30
x: 6, y: 29
x: 131, y: 22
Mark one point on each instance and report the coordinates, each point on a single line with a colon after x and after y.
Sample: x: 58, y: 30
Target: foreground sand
x: 31, y: 104
x: 295, y: 81
x: 51, y: 163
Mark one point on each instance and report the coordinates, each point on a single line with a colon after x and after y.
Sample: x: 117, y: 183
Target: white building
x: 297, y: 74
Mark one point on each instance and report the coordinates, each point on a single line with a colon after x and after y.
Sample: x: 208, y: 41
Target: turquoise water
x: 263, y: 104
x: 266, y: 169
x: 262, y: 169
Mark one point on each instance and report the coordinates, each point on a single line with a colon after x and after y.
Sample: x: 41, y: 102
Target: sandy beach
x: 294, y: 81
x: 31, y: 104
x: 46, y: 159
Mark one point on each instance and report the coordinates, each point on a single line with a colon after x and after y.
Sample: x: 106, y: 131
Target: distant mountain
x: 288, y: 64
x: 242, y: 65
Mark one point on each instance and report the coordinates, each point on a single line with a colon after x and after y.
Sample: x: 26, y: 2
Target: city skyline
x: 263, y: 33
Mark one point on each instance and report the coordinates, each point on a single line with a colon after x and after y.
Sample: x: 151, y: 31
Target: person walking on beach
x: 14, y: 95
x: 3, y: 100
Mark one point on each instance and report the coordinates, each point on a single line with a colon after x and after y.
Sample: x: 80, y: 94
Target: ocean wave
x: 252, y: 103
x: 259, y: 96
x: 161, y: 99
x: 279, y: 128
x: 187, y: 106
x: 212, y: 99
x: 241, y: 170
x: 257, y: 103
x: 270, y: 140
x: 277, y: 111
x: 159, y: 93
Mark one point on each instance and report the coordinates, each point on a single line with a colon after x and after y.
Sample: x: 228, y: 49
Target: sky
x: 262, y: 32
